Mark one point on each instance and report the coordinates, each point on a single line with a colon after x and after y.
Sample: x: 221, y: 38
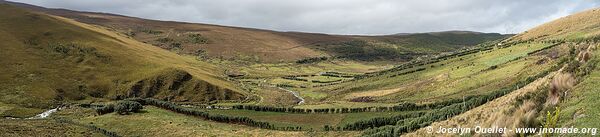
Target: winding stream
x: 44, y: 114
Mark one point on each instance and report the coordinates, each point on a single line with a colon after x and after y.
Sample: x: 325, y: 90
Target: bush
x: 164, y: 40
x: 311, y: 60
x: 105, y: 109
x: 197, y: 39
x: 155, y: 32
x: 126, y: 107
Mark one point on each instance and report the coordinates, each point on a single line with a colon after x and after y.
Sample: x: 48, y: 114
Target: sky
x: 352, y: 17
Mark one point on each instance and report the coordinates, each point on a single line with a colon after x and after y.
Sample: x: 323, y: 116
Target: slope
x: 577, y: 27
x: 48, y: 60
x: 567, y: 97
x: 207, y: 41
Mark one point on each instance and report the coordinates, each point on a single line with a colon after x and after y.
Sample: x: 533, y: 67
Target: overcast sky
x: 343, y: 16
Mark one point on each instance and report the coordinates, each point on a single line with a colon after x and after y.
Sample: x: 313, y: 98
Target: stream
x: 44, y: 114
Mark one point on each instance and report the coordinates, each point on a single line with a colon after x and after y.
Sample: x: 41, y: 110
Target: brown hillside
x: 47, y: 60
x: 581, y: 25
x: 256, y: 45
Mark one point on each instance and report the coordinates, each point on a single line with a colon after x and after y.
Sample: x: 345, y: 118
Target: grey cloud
x: 344, y: 16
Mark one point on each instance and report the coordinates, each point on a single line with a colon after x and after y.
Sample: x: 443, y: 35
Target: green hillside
x: 405, y: 47
x: 564, y: 98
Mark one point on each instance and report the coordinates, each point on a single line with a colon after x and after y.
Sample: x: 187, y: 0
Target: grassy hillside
x: 48, y: 60
x: 565, y: 98
x: 472, y: 74
x: 207, y: 41
x: 579, y: 104
x: 405, y: 47
x: 158, y: 122
x: 42, y: 128
x: 580, y: 26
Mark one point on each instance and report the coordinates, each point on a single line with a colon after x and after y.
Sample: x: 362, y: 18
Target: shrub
x: 149, y: 31
x: 126, y: 107
x: 197, y: 39
x: 311, y: 60
x: 164, y: 40
x: 105, y: 109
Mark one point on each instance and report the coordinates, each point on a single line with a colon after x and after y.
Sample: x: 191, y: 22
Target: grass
x: 306, y: 121
x: 265, y: 46
x: 504, y: 55
x: 67, y: 60
x: 580, y: 107
x: 271, y: 74
x: 579, y: 26
x: 313, y: 95
x: 470, y: 74
x: 284, y: 69
x: 276, y: 81
x: 498, y: 112
x: 354, y: 117
x: 42, y: 127
x: 343, y: 104
x: 276, y: 97
x: 159, y: 122
x: 404, y: 47
x: 324, y: 78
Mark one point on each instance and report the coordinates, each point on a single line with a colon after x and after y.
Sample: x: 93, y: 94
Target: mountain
x: 258, y: 45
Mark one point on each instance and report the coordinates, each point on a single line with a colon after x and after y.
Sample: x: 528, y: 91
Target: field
x: 42, y: 127
x: 158, y: 122
x: 446, y: 78
x: 306, y: 121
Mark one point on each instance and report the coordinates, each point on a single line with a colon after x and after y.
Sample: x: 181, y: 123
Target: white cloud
x: 343, y: 16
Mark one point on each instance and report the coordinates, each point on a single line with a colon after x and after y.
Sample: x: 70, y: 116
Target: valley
x: 115, y: 75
